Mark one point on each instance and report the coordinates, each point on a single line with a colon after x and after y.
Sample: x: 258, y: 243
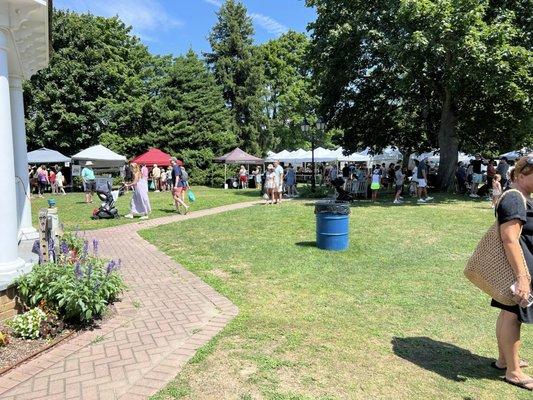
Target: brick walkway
x: 165, y: 316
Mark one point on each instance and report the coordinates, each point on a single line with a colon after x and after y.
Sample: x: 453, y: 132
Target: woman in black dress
x: 513, y: 215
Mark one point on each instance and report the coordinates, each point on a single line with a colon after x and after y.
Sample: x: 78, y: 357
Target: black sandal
x: 521, y: 384
x: 523, y: 364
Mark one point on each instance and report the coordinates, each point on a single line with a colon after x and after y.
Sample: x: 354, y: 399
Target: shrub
x: 27, y: 325
x: 78, y: 291
x: 320, y: 192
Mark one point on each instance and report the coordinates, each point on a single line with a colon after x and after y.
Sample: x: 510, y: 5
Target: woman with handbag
x: 515, y: 217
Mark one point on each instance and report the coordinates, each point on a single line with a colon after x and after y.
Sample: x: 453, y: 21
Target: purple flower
x: 95, y: 247
x: 64, y: 248
x: 36, y: 249
x: 110, y: 267
x: 90, y: 271
x: 78, y: 271
x: 85, y: 249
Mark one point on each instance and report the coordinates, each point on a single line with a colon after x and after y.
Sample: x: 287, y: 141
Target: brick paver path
x: 165, y: 316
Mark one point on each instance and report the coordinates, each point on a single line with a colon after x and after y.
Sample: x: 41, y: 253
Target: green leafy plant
x: 4, y: 338
x: 78, y: 291
x: 73, y: 242
x: 27, y: 325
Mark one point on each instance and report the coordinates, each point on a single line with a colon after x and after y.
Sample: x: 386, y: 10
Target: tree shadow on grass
x: 447, y: 360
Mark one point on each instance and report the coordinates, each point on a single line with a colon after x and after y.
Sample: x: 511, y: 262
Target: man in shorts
x: 422, y: 177
x: 278, y: 190
x: 477, y: 176
x: 89, y: 181
x: 179, y: 185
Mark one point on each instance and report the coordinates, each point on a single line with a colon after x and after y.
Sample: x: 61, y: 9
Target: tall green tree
x: 95, y: 86
x: 194, y: 120
x: 289, y: 91
x: 426, y: 73
x: 238, y: 70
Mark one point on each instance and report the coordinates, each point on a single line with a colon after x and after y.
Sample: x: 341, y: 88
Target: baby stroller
x: 109, y: 197
x: 342, y: 195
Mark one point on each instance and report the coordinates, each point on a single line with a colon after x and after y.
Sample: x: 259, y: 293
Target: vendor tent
x: 154, y: 156
x: 239, y: 156
x: 388, y: 155
x: 46, y: 156
x: 101, y: 157
x: 513, y: 155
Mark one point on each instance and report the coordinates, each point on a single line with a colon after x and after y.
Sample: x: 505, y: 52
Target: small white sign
x: 67, y: 164
x: 76, y: 170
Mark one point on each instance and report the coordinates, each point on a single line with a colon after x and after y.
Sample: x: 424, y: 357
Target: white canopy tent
x: 101, y: 156
x: 321, y: 155
x: 513, y: 155
x: 387, y: 156
x: 434, y: 158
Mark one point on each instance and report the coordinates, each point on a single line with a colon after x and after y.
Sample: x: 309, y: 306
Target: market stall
x: 154, y: 157
x: 46, y: 156
x: 106, y: 164
x: 239, y: 157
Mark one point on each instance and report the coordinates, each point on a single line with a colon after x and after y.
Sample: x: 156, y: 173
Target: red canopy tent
x: 154, y: 156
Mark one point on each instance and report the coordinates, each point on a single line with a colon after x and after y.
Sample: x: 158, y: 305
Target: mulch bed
x: 21, y: 350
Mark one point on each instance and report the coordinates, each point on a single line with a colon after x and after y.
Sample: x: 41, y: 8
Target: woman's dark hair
x: 397, y: 167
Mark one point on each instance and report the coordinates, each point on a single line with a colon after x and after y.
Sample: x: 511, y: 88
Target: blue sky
x: 173, y: 26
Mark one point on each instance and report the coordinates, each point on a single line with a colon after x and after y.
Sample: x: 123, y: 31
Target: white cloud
x: 264, y: 21
x: 269, y: 24
x: 216, y: 3
x: 145, y: 16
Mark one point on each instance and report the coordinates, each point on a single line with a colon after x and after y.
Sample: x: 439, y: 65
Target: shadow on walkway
x: 447, y: 360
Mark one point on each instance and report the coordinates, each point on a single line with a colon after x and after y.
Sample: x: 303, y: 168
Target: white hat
x: 88, y: 163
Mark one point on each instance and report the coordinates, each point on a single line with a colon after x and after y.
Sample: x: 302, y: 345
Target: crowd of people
x: 43, y: 179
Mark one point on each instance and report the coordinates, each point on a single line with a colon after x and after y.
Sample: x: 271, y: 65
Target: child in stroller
x: 109, y: 197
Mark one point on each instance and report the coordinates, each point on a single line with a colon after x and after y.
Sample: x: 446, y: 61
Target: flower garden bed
x: 73, y: 292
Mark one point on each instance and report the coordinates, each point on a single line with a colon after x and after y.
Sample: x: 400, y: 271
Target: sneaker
x: 421, y: 201
x: 396, y: 202
x: 157, y: 191
x: 144, y: 217
x: 129, y: 216
x: 429, y: 198
x: 474, y: 196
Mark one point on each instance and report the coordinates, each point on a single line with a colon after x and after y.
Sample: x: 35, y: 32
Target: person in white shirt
x: 278, y: 191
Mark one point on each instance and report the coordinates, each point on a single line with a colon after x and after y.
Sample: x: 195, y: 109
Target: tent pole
x: 225, y: 173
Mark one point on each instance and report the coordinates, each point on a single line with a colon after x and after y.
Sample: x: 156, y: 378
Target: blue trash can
x: 332, y: 225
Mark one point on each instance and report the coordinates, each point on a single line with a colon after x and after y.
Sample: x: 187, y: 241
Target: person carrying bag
x: 504, y: 259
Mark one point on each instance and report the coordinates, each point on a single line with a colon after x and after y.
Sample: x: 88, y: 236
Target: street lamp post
x: 306, y: 130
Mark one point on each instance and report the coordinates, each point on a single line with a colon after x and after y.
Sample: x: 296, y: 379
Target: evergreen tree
x: 237, y: 69
x: 194, y: 120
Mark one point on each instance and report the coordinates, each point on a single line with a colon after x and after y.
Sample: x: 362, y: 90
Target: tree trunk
x: 449, y: 146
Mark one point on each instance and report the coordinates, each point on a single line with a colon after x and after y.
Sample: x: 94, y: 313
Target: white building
x: 24, y: 50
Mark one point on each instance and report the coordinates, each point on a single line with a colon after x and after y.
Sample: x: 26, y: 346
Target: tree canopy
x: 422, y: 74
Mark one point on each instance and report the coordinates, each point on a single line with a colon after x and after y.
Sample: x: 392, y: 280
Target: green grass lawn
x: 74, y: 213
x: 391, y: 318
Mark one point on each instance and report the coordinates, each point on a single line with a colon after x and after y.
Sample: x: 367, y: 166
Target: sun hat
x: 88, y: 163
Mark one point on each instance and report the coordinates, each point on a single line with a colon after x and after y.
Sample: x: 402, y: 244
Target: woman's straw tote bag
x: 489, y: 269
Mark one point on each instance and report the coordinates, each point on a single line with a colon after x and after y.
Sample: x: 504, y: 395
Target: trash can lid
x: 332, y: 207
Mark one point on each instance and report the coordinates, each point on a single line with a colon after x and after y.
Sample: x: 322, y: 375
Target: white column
x: 10, y: 264
x: 25, y: 229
